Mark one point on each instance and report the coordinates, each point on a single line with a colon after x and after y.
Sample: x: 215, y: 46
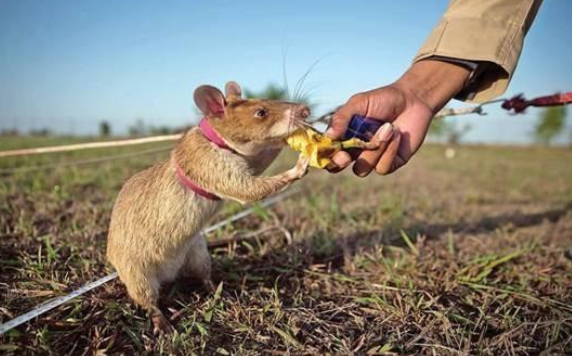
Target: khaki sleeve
x: 489, y: 32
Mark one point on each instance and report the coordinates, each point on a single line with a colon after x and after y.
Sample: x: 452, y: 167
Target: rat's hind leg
x: 144, y: 291
x: 198, y: 261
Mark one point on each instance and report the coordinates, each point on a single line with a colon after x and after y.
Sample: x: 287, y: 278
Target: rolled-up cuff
x: 496, y: 46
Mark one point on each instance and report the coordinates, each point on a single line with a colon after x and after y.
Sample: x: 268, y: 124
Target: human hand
x: 407, y: 105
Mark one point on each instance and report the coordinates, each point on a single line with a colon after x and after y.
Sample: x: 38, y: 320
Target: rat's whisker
x: 305, y: 96
x: 291, y: 119
x: 325, y: 118
x: 302, y: 124
x: 284, y: 75
x: 303, y: 78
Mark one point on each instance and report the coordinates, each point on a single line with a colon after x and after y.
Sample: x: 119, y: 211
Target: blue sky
x: 66, y: 65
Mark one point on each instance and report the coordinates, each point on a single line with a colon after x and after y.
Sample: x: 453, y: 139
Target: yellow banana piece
x: 318, y: 147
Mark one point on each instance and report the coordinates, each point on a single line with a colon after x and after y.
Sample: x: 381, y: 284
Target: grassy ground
x: 462, y: 256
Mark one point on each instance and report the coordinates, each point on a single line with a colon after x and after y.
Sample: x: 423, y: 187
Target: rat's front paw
x: 301, y: 168
x: 297, y: 171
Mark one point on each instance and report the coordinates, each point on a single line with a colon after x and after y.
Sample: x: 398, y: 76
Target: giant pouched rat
x: 154, y: 234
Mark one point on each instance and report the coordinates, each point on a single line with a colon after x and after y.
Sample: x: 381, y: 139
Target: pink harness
x: 212, y: 136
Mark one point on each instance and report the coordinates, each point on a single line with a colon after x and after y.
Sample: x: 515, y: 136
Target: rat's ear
x: 210, y: 100
x: 232, y: 90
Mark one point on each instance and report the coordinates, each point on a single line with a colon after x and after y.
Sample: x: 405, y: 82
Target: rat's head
x: 249, y: 125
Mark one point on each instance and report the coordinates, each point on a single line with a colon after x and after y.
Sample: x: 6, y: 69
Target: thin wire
x: 493, y: 101
x: 266, y: 203
x: 54, y: 303
x: 9, y: 171
x: 88, y: 145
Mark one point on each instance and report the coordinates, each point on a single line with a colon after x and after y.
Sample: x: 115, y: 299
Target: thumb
x: 341, y: 119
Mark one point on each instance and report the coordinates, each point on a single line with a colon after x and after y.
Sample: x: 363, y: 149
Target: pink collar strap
x: 192, y: 186
x: 214, y: 137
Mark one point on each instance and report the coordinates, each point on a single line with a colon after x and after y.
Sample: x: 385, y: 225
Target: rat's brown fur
x: 154, y: 232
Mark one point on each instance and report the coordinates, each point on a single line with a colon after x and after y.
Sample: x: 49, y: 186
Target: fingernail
x: 330, y: 132
x: 341, y: 160
x: 385, y: 132
x: 362, y: 168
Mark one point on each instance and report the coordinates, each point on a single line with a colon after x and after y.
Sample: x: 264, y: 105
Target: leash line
x: 9, y: 171
x: 88, y: 145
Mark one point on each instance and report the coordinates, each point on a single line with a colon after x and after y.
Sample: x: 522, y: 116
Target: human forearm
x: 434, y: 82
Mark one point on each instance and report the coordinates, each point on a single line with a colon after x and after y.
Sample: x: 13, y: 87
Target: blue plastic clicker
x: 362, y: 127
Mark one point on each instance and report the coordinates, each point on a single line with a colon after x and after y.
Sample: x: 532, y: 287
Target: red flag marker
x: 519, y: 103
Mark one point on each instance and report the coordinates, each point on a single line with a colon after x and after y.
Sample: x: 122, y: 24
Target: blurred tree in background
x: 45, y: 132
x: 104, y: 129
x: 438, y: 128
x: 550, y: 124
x: 455, y: 133
x: 138, y: 128
x: 141, y: 128
x: 9, y: 132
x: 276, y: 92
x: 442, y: 129
x: 271, y: 92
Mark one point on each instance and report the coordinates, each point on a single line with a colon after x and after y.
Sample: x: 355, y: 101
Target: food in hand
x: 319, y: 148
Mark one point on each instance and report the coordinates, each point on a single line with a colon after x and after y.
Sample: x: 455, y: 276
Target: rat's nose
x: 303, y: 112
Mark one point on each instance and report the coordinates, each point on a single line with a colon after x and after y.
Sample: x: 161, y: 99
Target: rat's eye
x: 261, y: 113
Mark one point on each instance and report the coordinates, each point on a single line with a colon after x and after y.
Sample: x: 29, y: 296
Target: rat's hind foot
x: 160, y: 323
